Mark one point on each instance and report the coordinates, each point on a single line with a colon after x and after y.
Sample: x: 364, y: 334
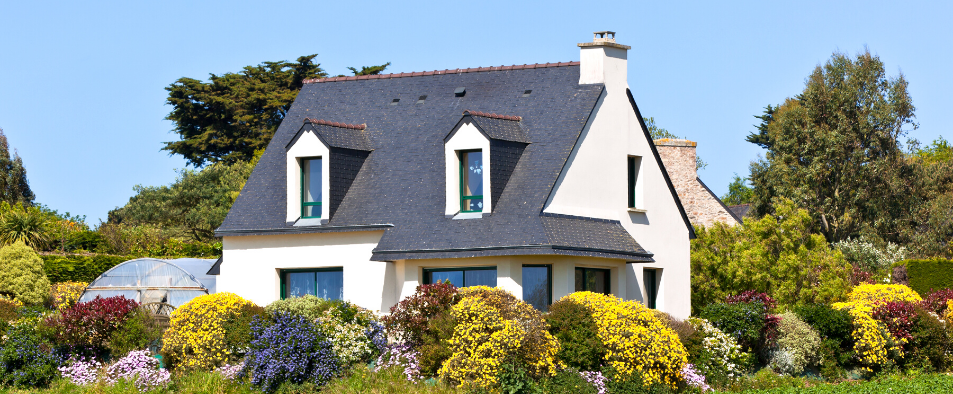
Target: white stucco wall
x: 465, y: 137
x: 593, y: 183
x: 251, y: 265
x: 308, y: 145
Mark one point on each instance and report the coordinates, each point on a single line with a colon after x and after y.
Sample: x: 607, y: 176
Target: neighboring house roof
x: 741, y: 210
x: 722, y: 203
x: 401, y: 186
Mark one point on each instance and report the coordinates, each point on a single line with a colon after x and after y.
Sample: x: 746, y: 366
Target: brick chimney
x: 603, y: 60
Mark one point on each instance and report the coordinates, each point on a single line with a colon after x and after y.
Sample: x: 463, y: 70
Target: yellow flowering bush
x: 65, y: 294
x: 949, y: 311
x: 636, y: 341
x: 494, y: 327
x: 209, y: 331
x: 873, y: 343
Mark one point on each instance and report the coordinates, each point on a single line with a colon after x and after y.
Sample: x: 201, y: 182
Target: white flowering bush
x: 348, y: 340
x: 868, y: 256
x: 720, y: 354
x: 138, y: 367
x: 798, y: 346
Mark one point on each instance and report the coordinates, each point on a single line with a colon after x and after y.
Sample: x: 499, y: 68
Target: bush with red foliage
x: 408, y: 320
x: 88, y: 325
x: 753, y: 296
x: 899, y: 318
x: 936, y: 301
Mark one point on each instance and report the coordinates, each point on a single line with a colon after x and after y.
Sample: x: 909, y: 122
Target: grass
x: 927, y: 383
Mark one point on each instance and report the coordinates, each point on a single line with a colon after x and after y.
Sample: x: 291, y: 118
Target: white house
x: 541, y: 179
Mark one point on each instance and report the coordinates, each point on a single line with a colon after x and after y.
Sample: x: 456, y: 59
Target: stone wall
x: 701, y: 205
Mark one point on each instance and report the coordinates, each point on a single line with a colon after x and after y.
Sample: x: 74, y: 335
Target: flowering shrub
x: 25, y: 359
x: 936, y: 301
x: 66, y: 294
x: 873, y: 343
x: 409, y: 319
x: 948, y: 316
x: 573, y: 325
x: 880, y: 294
x: 288, y: 348
x: 353, y: 331
x: 230, y: 372
x: 207, y: 331
x: 596, y: 379
x: 694, y: 379
x: 899, y: 319
x: 797, y: 346
x: 8, y: 312
x: 745, y: 321
x: 766, y: 301
x: 494, y: 327
x: 139, y: 367
x: 81, y: 372
x: 637, y: 343
x: 89, y: 325
x: 868, y: 256
x: 719, y: 354
x: 400, y: 355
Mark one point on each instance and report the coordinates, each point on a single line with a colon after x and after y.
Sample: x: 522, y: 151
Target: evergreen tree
x: 14, y: 187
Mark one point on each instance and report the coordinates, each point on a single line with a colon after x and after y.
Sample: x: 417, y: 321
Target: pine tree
x: 14, y: 187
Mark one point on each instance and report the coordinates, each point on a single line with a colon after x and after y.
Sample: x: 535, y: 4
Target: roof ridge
x: 492, y: 115
x: 440, y: 72
x: 336, y: 124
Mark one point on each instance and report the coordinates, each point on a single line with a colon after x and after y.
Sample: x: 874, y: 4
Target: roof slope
x: 401, y: 186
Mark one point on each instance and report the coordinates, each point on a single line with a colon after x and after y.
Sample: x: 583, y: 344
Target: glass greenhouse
x: 150, y: 280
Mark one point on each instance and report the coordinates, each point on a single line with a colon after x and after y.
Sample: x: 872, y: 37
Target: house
x: 703, y: 207
x: 540, y: 179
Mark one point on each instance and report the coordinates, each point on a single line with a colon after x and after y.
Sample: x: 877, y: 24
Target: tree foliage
x: 777, y: 254
x: 232, y: 115
x: 194, y: 206
x: 372, y: 70
x: 834, y: 149
x: 738, y: 192
x: 659, y: 133
x: 14, y: 187
x: 21, y: 274
x: 27, y: 225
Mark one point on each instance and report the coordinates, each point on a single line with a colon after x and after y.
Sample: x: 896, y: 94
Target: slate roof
x: 500, y: 127
x: 335, y: 135
x: 741, y: 210
x: 401, y: 186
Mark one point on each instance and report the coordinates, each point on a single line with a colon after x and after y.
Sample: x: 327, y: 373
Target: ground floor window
x: 592, y: 279
x: 322, y: 282
x: 650, y: 280
x: 462, y: 276
x: 537, y: 286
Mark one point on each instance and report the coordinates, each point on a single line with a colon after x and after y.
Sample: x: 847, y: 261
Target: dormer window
x: 471, y: 181
x: 311, y: 188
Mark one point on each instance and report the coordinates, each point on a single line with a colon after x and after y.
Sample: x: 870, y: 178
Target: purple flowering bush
x: 80, y: 371
x: 25, y: 358
x: 229, y: 371
x: 694, y: 379
x: 596, y: 379
x: 140, y: 367
x: 401, y: 355
x: 287, y: 348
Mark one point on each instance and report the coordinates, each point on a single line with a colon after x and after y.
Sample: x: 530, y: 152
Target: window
x: 650, y: 280
x: 471, y: 181
x: 322, y: 282
x: 311, y: 188
x: 592, y: 279
x: 634, y: 188
x: 537, y: 286
x: 462, y: 277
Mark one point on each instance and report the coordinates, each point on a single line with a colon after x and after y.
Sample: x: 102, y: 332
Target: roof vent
x: 527, y: 92
x: 422, y: 99
x: 603, y: 36
x: 460, y: 92
x: 397, y: 100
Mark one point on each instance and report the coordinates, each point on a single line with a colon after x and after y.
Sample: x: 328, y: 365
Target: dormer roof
x: 335, y: 134
x: 498, y: 127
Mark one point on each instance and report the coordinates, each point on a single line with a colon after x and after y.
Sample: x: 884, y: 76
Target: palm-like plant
x: 28, y: 226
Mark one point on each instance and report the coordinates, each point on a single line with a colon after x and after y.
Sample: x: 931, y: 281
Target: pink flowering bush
x: 401, y: 355
x: 138, y: 367
x: 81, y: 372
x: 694, y: 379
x: 596, y: 379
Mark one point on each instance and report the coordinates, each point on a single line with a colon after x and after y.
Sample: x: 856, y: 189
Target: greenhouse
x: 153, y: 281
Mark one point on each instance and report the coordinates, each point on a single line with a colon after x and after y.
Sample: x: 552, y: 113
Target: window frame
x: 305, y: 205
x: 428, y: 281
x: 463, y: 198
x: 633, y: 167
x: 585, y: 277
x: 549, y: 279
x: 283, y: 281
x: 651, y: 298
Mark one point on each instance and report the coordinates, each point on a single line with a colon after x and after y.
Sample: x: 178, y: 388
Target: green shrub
x: 797, y: 346
x: 834, y: 327
x: 745, y: 321
x: 9, y: 311
x: 765, y: 379
x: 930, y: 346
x: 22, y: 275
x: 925, y: 276
x: 574, y: 327
x: 434, y: 346
x: 78, y: 268
x: 566, y: 382
x: 138, y: 332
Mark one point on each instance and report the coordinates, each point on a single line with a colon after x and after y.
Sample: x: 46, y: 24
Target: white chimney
x: 603, y: 60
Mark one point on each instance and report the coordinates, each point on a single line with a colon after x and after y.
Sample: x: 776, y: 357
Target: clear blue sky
x: 82, y: 98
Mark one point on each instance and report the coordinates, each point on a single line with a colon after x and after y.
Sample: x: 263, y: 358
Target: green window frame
x: 587, y: 273
x: 283, y: 275
x: 427, y: 271
x: 633, y: 164
x: 650, y: 280
x: 463, y: 197
x: 304, y: 204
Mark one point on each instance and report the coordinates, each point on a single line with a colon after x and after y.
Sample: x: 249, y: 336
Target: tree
x: 660, y: 133
x: 372, y: 70
x: 21, y: 274
x: 24, y: 224
x: 230, y: 117
x: 194, y: 206
x: 738, y: 192
x: 14, y: 187
x: 833, y: 149
x: 777, y: 254
x: 939, y: 151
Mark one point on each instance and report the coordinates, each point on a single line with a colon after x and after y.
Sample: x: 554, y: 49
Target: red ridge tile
x: 335, y: 124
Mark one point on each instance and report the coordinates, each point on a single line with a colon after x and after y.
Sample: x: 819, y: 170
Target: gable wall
x: 702, y: 208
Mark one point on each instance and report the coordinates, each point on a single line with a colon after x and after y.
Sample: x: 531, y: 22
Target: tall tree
x: 372, y: 70
x: 738, y: 192
x: 834, y: 148
x: 14, y: 187
x: 232, y: 115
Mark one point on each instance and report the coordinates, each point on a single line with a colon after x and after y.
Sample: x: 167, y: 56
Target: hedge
x: 78, y: 268
x: 927, y: 275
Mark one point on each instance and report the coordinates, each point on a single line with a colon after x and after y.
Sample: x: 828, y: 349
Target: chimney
x: 603, y: 60
x: 678, y: 156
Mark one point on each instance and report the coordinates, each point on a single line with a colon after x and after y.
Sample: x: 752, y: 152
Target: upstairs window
x: 634, y: 187
x: 311, y: 188
x: 471, y: 181
x: 592, y: 279
x: 650, y: 279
